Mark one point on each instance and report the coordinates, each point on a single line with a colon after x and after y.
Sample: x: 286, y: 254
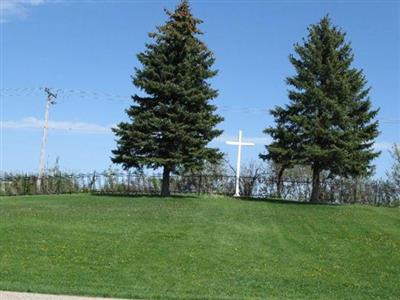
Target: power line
x: 64, y: 93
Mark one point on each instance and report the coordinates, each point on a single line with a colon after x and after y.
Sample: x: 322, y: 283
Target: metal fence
x: 332, y: 190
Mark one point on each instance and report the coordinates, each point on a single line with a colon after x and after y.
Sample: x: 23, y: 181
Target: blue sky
x: 91, y: 46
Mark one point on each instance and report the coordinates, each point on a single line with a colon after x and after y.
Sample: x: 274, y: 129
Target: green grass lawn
x: 198, y: 248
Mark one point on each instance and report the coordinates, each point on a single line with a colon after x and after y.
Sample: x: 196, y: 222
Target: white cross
x: 239, y: 144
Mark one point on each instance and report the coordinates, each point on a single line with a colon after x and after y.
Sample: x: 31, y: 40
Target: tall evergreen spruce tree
x: 172, y: 125
x: 329, y: 110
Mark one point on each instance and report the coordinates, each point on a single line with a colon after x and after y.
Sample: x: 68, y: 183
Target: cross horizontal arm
x: 241, y: 143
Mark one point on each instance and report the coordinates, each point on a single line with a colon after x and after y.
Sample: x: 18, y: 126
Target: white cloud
x: 16, y: 8
x: 80, y: 127
x: 91, y: 128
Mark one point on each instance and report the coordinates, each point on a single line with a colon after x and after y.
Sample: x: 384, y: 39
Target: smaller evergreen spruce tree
x: 329, y: 112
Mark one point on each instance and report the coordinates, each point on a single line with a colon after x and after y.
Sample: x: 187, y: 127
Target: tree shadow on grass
x: 285, y: 201
x: 193, y: 197
x: 143, y: 195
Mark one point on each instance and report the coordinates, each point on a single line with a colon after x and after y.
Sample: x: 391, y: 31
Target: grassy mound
x: 198, y: 248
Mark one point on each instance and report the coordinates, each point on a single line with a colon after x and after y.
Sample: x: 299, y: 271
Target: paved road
x: 31, y: 296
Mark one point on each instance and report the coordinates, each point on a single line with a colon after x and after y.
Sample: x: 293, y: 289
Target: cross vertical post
x: 239, y: 154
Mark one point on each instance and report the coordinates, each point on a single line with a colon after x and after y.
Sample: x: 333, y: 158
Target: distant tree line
x: 257, y: 181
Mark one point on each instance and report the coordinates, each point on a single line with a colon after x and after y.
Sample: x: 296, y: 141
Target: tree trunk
x: 355, y: 185
x: 315, y: 186
x: 165, y: 192
x: 279, y: 183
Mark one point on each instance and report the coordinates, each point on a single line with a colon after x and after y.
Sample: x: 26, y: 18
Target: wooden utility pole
x: 50, y: 100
